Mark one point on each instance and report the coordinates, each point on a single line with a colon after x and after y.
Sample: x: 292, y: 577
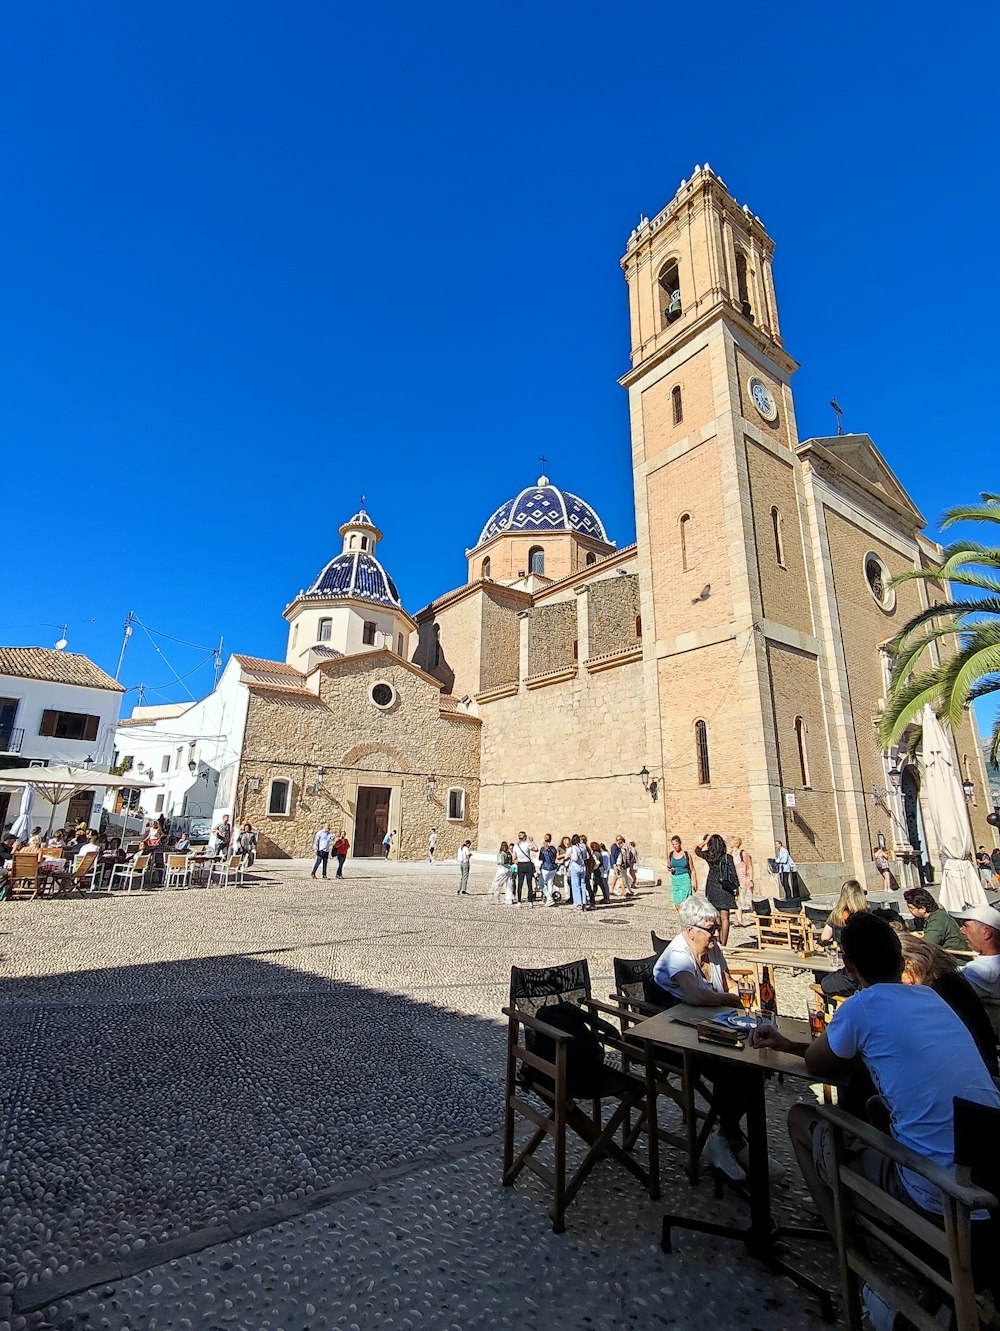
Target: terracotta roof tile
x: 258, y: 663
x: 55, y: 667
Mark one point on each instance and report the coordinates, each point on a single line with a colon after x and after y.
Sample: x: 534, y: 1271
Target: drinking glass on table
x: 747, y: 992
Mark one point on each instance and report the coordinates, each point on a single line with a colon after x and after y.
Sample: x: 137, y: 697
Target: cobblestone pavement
x: 266, y: 1107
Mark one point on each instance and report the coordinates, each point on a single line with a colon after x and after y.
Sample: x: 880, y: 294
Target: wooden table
x: 674, y: 1030
x: 821, y: 963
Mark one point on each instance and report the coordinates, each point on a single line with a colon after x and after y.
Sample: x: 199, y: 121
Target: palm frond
x: 906, y: 703
x: 979, y: 656
x: 986, y: 512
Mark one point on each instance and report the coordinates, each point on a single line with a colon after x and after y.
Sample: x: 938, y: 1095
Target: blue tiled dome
x: 545, y: 508
x: 359, y: 575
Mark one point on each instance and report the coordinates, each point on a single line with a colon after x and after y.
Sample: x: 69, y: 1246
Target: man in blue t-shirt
x: 918, y: 1053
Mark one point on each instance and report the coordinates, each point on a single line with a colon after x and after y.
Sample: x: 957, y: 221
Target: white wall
x: 210, y: 733
x: 346, y: 630
x: 36, y: 696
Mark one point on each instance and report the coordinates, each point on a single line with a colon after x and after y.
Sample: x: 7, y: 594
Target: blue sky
x: 261, y: 258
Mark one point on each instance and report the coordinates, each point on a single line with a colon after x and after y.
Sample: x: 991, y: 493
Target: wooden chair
x: 786, y: 932
x: 530, y: 992
x: 230, y: 868
x: 24, y: 882
x: 129, y: 873
x: 72, y: 880
x: 951, y: 1261
x: 178, y: 872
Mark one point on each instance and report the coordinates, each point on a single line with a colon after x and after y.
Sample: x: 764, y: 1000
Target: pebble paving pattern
x: 178, y: 1061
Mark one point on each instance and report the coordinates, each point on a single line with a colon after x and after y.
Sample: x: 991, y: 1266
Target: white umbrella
x: 58, y: 783
x: 949, y: 817
x: 21, y: 825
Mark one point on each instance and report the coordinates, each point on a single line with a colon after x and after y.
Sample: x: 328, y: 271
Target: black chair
x: 816, y: 916
x: 789, y: 905
x: 638, y: 996
x: 762, y: 908
x: 660, y: 945
x: 530, y: 991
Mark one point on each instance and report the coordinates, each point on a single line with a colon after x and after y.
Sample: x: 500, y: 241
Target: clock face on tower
x: 762, y: 399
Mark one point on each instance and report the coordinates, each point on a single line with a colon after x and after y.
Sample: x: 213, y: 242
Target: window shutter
x: 48, y: 726
x: 90, y: 727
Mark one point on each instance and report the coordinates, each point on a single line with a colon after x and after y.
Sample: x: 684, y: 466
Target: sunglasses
x: 708, y: 928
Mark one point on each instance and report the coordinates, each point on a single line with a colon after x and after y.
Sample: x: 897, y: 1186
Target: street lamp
x: 644, y: 777
x: 649, y: 784
x: 88, y: 762
x: 968, y: 789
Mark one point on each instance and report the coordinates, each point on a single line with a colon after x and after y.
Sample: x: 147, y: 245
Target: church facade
x: 724, y: 673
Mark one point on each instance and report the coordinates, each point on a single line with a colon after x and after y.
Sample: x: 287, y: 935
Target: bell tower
x: 724, y: 582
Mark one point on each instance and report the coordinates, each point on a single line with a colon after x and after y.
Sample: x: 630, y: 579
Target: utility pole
x: 127, y: 626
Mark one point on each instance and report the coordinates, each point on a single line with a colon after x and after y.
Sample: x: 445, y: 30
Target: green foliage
x: 956, y: 680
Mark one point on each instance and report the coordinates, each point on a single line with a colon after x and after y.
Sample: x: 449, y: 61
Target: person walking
x: 547, y: 869
x: 340, y: 848
x: 321, y: 845
x: 525, y: 865
x: 722, y: 884
x: 387, y: 843
x: 618, y: 877
x: 246, y: 845
x: 432, y: 842
x: 632, y: 868
x: 682, y: 877
x: 464, y: 864
x: 223, y: 835
x: 744, y: 872
x: 598, y: 879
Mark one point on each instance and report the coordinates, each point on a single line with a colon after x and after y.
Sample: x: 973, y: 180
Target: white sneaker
x: 775, y: 1170
x: 719, y: 1153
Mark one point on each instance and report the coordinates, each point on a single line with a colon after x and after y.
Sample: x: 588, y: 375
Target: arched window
x: 800, y: 744
x: 670, y: 294
x: 591, y: 558
x: 685, y: 532
x: 779, y: 540
x: 536, y: 559
x: 364, y: 542
x: 638, y: 626
x: 678, y: 404
x: 701, y: 748
x: 486, y: 568
x: 352, y: 543
x: 742, y: 289
x: 279, y: 798
x: 295, y: 634
x: 325, y: 630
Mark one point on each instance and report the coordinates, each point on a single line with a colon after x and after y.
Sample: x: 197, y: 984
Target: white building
x: 56, y: 707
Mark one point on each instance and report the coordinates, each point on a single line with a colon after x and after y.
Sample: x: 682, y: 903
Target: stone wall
x: 289, y: 737
x: 613, y: 612
x: 565, y: 759
x: 501, y: 640
x: 552, y: 637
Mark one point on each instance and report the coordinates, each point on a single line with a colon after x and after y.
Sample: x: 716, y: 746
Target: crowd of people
x: 577, y: 871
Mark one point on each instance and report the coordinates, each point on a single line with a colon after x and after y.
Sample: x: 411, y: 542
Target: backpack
x: 584, y: 1052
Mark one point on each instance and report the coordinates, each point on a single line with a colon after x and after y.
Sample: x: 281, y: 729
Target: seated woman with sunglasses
x: 693, y: 970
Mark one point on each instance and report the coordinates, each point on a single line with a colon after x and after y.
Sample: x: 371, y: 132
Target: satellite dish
x: 61, y: 645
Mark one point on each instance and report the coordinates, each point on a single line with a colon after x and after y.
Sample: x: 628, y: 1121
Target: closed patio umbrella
x: 21, y: 826
x: 949, y: 818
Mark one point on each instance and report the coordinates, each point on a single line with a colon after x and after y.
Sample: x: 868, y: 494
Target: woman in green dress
x: 682, y: 879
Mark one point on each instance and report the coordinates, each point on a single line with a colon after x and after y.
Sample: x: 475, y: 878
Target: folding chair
x: 231, y: 867
x: 129, y: 873
x: 530, y: 991
x: 632, y: 979
x: 72, y: 880
x: 951, y: 1263
x: 177, y: 872
x: 660, y: 945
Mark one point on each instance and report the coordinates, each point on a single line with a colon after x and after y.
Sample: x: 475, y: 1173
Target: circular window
x: 878, y: 579
x: 382, y: 694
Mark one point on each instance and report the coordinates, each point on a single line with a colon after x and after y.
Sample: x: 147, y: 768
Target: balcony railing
x: 10, y: 739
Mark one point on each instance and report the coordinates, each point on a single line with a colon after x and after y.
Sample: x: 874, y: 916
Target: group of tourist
x: 577, y: 870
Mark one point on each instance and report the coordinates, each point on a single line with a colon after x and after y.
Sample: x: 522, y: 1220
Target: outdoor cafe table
x: 674, y: 1031
x: 820, y: 963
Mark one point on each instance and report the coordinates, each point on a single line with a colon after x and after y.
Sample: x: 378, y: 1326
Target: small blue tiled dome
x: 359, y: 575
x: 545, y: 508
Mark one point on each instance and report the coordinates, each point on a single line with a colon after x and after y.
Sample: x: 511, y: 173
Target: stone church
x: 723, y: 673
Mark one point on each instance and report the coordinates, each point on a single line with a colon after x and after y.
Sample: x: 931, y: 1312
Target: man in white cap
x: 981, y: 928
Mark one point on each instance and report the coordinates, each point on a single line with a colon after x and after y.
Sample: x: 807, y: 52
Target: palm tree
x: 971, y: 672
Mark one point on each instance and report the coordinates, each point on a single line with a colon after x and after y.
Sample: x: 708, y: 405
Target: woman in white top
x: 744, y: 872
